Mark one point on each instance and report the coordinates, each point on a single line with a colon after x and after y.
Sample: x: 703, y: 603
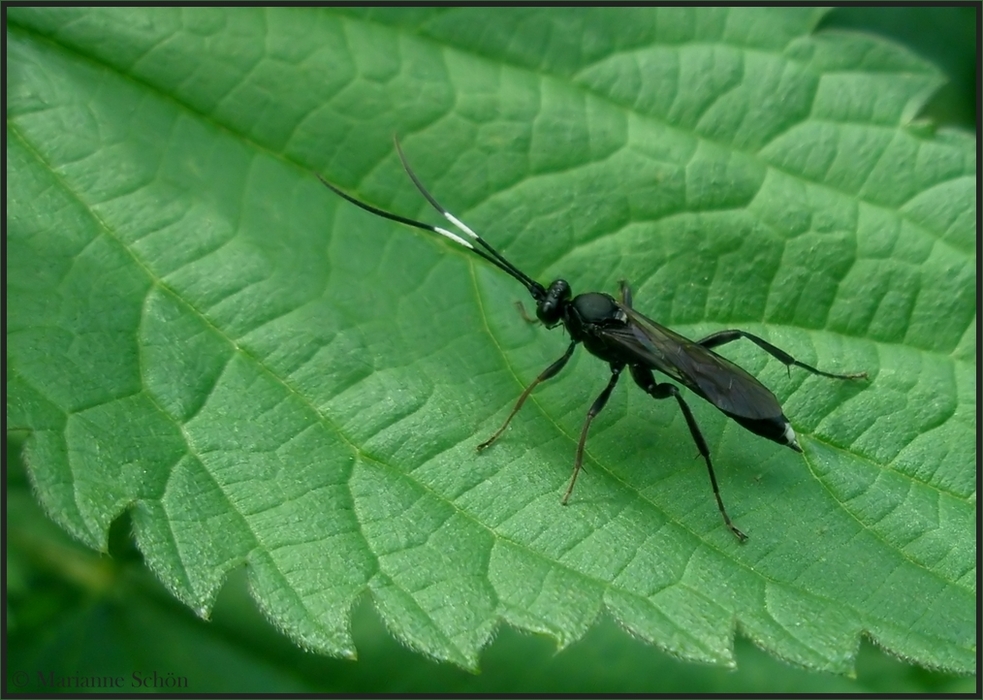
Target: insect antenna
x: 492, y: 256
x: 532, y: 285
x: 418, y: 224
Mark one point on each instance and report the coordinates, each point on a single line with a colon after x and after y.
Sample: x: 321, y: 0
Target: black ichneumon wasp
x: 617, y: 334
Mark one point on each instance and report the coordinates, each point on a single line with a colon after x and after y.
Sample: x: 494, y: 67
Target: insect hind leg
x: 644, y: 378
x: 723, y: 337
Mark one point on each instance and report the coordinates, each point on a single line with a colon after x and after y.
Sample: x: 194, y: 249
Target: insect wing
x: 723, y: 383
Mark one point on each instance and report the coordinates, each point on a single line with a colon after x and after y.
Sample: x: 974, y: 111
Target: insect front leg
x: 595, y: 408
x: 643, y: 377
x: 547, y: 373
x: 531, y: 320
x: 722, y: 337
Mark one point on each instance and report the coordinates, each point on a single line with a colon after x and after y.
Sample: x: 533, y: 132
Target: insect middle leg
x: 547, y: 373
x: 595, y: 408
x: 643, y: 377
x: 722, y: 337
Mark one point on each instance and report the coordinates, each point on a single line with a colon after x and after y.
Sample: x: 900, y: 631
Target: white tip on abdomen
x: 789, y: 437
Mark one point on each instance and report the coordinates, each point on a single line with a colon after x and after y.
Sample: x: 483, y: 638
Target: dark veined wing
x: 726, y: 385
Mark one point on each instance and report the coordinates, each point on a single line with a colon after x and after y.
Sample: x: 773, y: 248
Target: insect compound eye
x: 550, y: 309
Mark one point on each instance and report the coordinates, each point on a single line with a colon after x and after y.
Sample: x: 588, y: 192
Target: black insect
x: 613, y: 331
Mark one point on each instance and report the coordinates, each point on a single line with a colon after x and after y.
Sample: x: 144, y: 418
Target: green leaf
x: 262, y: 374
x: 74, y: 613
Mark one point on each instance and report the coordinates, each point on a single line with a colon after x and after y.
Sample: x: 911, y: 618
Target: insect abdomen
x: 776, y: 429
